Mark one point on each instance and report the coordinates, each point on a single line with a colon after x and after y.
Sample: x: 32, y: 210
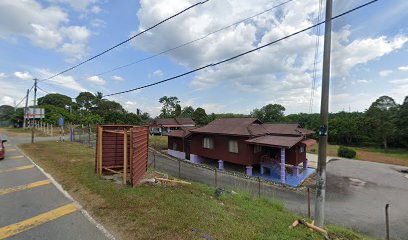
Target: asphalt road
x: 32, y: 207
x: 357, y: 192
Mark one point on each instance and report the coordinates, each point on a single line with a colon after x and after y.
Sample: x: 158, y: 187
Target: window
x: 174, y: 146
x: 302, y: 149
x: 233, y: 146
x: 208, y: 143
x: 257, y: 148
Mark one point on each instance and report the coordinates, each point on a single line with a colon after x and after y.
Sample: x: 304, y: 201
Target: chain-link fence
x: 86, y: 136
x: 229, y: 180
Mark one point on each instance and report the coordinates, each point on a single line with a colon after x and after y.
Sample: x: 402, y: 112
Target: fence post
x: 216, y: 177
x: 154, y: 157
x: 387, y: 222
x: 308, y: 202
x: 259, y: 187
x: 89, y: 136
x: 179, y: 170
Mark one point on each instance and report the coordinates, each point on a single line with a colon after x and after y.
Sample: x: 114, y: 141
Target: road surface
x: 32, y: 207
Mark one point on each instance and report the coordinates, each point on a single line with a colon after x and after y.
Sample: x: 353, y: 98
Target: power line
x: 316, y: 55
x: 42, y: 90
x: 245, y: 53
x: 192, y: 41
x: 125, y: 41
x: 24, y: 97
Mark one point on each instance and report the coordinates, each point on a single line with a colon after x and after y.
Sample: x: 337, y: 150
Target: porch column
x: 296, y: 170
x: 262, y: 169
x: 249, y: 170
x: 305, y: 164
x: 283, y: 170
x: 220, y: 165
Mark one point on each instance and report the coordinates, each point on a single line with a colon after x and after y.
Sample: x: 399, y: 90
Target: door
x: 187, y: 149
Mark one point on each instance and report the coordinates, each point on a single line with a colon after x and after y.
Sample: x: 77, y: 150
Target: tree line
x: 384, y: 123
x: 87, y: 109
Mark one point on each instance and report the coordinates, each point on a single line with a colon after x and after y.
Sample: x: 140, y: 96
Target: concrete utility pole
x: 35, y: 105
x: 324, y: 112
x: 25, y: 110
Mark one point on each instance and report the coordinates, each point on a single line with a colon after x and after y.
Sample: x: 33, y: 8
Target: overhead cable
x: 125, y: 41
x: 192, y: 41
x: 244, y: 53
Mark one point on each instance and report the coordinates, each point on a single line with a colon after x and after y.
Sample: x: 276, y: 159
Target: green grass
x: 27, y: 132
x: 168, y: 212
x: 158, y: 142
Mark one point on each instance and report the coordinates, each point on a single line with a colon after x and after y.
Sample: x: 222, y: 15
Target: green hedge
x: 346, y: 152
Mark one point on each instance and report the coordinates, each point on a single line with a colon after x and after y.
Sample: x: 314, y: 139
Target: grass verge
x: 167, y: 212
x: 391, y: 156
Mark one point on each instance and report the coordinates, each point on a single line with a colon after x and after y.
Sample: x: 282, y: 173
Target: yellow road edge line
x: 17, y: 157
x: 23, y: 187
x: 16, y: 168
x: 27, y: 224
x: 11, y: 150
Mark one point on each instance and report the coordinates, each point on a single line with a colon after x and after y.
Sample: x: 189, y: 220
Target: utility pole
x: 25, y: 110
x: 35, y: 105
x: 324, y: 112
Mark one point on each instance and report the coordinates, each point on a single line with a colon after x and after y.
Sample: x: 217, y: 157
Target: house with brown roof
x: 277, y: 149
x: 164, y: 125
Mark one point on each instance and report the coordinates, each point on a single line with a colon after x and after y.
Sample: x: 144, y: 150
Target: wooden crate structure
x: 122, y: 149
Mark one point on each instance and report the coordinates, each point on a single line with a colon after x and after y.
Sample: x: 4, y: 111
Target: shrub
x: 346, y: 152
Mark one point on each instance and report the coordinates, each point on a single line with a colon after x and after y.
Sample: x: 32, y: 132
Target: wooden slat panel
x: 140, y: 151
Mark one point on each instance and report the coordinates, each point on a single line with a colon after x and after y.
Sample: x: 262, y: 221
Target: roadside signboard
x: 61, y: 122
x: 36, y: 113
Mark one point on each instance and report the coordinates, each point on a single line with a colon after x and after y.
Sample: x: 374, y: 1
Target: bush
x: 346, y: 152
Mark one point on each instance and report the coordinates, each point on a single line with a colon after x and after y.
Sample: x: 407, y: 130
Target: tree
x: 86, y: 101
x: 200, y: 117
x: 402, y: 123
x: 382, y: 117
x: 6, y: 112
x: 56, y: 99
x: 169, y: 105
x: 187, y: 112
x: 270, y: 113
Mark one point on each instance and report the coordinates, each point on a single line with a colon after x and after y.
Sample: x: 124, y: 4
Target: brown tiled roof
x: 229, y: 126
x: 174, y: 121
x: 184, y: 132
x: 275, y: 141
x: 282, y: 128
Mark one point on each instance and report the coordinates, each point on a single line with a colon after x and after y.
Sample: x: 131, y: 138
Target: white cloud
x: 117, y: 78
x: 399, y: 81
x: 2, y: 75
x: 64, y: 81
x: 96, y: 80
x: 348, y: 54
x: 6, y: 100
x: 29, y: 19
x: 158, y: 73
x: 403, y: 68
x: 73, y: 51
x: 23, y: 75
x: 78, y: 5
x: 363, y: 81
x: 385, y: 73
x: 77, y: 34
x: 96, y: 9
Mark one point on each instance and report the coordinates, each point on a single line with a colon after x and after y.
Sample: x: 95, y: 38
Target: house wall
x: 178, y: 141
x: 220, y: 150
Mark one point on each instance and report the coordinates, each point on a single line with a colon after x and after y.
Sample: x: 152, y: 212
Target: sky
x: 39, y: 38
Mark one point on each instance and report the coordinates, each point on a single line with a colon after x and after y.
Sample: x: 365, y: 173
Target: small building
x: 278, y: 151
x: 160, y: 126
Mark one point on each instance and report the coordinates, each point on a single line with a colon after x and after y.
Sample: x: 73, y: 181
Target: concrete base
x: 249, y: 170
x: 176, y: 154
x: 296, y: 171
x: 196, y: 159
x: 220, y: 164
x: 305, y: 164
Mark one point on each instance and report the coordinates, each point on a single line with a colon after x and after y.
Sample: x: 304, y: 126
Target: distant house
x: 278, y: 149
x: 164, y: 125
